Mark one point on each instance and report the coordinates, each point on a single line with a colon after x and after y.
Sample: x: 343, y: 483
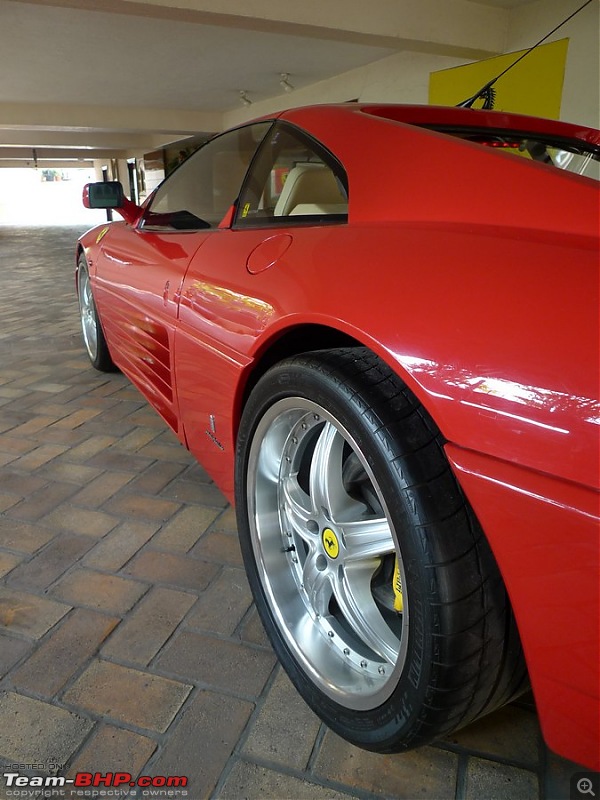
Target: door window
x: 199, y: 193
x: 293, y: 180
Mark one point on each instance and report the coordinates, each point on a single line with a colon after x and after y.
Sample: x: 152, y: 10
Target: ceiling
x: 505, y: 3
x: 111, y: 77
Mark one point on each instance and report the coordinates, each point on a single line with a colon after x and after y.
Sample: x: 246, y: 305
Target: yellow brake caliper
x: 397, y: 586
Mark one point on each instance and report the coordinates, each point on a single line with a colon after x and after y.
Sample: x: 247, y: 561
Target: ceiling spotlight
x: 284, y: 82
x: 244, y: 98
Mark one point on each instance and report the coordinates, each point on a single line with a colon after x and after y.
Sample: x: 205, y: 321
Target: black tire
x: 333, y: 442
x: 91, y: 328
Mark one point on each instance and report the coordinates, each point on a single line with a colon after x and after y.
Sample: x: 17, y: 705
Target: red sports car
x: 377, y: 328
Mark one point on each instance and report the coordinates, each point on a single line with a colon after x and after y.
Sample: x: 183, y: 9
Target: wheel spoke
x: 317, y: 585
x: 296, y: 507
x: 353, y: 594
x: 326, y: 488
x: 365, y: 539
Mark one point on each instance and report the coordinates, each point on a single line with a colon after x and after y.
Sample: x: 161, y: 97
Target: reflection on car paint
x: 235, y: 312
x: 550, y: 401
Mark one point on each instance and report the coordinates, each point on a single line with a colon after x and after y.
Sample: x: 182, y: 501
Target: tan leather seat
x: 311, y: 189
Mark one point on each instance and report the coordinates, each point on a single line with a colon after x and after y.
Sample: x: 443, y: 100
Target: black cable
x: 487, y: 92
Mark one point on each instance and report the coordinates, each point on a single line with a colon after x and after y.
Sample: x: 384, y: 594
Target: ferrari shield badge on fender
x: 102, y: 234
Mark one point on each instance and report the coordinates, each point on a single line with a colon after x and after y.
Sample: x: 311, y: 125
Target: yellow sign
x: 330, y: 543
x: 534, y: 86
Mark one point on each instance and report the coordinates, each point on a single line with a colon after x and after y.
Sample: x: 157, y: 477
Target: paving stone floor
x: 128, y: 639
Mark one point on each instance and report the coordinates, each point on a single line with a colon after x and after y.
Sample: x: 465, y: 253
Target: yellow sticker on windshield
x: 245, y: 210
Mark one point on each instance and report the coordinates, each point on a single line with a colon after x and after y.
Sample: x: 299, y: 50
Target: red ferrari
x: 377, y: 328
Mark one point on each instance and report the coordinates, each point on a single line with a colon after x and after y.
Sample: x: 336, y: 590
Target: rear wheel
x: 93, y: 335
x: 370, y: 572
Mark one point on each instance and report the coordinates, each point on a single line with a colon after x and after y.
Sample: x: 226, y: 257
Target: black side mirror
x: 108, y: 194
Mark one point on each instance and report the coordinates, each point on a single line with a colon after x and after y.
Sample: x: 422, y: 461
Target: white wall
x: 581, y: 90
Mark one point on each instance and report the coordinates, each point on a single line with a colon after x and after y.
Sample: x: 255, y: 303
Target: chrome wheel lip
x: 89, y: 324
x: 340, y: 664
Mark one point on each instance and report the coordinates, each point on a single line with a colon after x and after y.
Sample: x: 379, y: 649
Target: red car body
x: 474, y: 276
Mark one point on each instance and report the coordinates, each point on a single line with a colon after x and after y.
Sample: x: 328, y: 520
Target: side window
x: 293, y: 180
x: 200, y: 192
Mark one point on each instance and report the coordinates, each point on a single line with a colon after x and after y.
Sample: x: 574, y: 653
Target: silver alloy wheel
x: 325, y: 550
x: 89, y: 324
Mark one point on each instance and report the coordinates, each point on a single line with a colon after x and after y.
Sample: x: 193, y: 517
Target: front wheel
x: 371, y: 575
x: 93, y: 335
